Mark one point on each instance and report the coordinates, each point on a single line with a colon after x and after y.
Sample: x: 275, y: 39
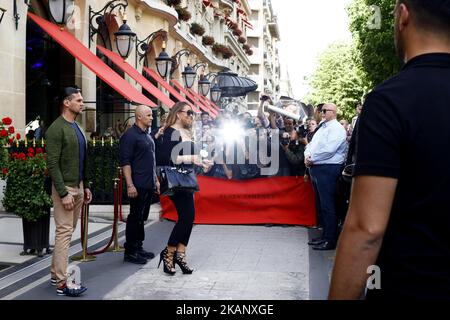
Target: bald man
x: 137, y: 159
x: 325, y: 156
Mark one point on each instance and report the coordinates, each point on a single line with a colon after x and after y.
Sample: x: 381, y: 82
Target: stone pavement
x: 232, y: 263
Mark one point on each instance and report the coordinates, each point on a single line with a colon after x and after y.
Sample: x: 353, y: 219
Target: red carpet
x: 278, y: 200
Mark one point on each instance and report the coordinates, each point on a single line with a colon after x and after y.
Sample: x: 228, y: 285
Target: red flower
x: 3, y: 133
x: 18, y: 136
x: 5, y: 171
x: 11, y: 141
x: 30, y: 155
x: 14, y: 155
x: 39, y: 150
x: 7, y: 121
x: 11, y: 129
x: 21, y: 156
x: 30, y: 150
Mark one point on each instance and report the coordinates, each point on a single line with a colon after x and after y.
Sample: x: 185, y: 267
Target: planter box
x: 36, y: 236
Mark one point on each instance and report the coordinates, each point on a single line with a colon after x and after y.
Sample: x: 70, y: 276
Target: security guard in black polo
x: 137, y: 159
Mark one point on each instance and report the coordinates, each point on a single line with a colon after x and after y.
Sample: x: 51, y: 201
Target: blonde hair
x: 172, y: 117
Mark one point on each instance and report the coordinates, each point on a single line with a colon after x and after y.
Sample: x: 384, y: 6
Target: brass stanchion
x: 117, y: 247
x: 84, y: 223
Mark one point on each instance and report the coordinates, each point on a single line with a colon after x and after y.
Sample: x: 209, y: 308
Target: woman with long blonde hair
x: 178, y: 129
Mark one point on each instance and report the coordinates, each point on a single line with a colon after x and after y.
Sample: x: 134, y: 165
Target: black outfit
x: 394, y: 140
x: 183, y: 201
x: 137, y: 149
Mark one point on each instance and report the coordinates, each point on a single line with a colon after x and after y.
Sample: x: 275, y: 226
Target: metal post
x: 85, y: 222
x: 117, y: 247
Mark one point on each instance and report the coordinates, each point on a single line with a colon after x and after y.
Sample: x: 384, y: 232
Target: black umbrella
x: 234, y: 86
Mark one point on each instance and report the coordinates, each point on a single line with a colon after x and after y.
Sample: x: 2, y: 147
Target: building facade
x: 265, y: 63
x: 34, y: 67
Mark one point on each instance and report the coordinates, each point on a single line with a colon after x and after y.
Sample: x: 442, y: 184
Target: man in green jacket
x: 66, y: 161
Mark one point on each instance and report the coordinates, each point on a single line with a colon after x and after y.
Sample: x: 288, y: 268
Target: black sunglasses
x: 325, y: 111
x: 190, y: 113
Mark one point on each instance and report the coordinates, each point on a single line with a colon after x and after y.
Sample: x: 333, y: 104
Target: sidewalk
x: 231, y: 262
x: 11, y: 235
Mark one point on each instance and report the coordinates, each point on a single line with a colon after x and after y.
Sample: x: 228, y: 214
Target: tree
x: 372, y: 27
x: 338, y: 79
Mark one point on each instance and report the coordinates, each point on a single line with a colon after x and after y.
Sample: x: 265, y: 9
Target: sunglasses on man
x: 325, y: 110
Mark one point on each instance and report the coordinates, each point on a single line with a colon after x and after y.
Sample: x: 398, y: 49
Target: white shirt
x: 329, y: 144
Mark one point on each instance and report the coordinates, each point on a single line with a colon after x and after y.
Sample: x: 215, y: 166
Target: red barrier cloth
x: 277, y: 200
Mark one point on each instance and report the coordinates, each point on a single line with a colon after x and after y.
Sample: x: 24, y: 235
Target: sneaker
x: 53, y: 281
x: 146, y: 254
x: 71, y: 292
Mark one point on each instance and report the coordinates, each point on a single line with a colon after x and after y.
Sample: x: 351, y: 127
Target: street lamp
x: 163, y: 63
x: 204, y: 85
x: 143, y: 46
x: 124, y: 39
x: 189, y: 73
x: 216, y: 93
x: 61, y: 10
x: 99, y: 18
x: 189, y: 76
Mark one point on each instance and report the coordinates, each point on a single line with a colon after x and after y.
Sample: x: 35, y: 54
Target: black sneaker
x: 146, y: 254
x: 134, y: 258
x: 71, y: 292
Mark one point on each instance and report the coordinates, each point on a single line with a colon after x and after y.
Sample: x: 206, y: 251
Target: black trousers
x: 139, y: 211
x: 184, y: 203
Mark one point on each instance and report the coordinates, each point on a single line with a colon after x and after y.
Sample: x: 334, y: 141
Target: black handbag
x: 176, y: 178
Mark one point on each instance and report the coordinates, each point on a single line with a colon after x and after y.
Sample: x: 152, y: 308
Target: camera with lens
x: 285, y: 140
x: 302, y: 131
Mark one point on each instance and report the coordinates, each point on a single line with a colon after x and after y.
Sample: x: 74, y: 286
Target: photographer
x: 294, y: 151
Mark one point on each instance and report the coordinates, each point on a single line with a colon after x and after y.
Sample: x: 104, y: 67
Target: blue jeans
x: 325, y: 178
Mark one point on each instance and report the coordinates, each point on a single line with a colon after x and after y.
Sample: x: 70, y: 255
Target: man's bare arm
x: 360, y: 241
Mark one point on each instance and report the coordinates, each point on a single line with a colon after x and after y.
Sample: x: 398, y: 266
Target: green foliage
x: 338, y: 79
x: 102, y: 164
x: 374, y: 38
x: 25, y: 193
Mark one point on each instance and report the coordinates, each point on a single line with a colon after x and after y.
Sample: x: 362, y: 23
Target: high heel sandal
x: 167, y: 258
x: 180, y: 260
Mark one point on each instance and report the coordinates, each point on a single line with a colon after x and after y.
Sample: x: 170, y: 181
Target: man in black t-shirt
x: 398, y: 223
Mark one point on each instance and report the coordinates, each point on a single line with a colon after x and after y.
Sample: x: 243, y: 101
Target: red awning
x: 190, y: 96
x: 136, y: 75
x: 169, y: 88
x: 199, y: 97
x: 91, y: 61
